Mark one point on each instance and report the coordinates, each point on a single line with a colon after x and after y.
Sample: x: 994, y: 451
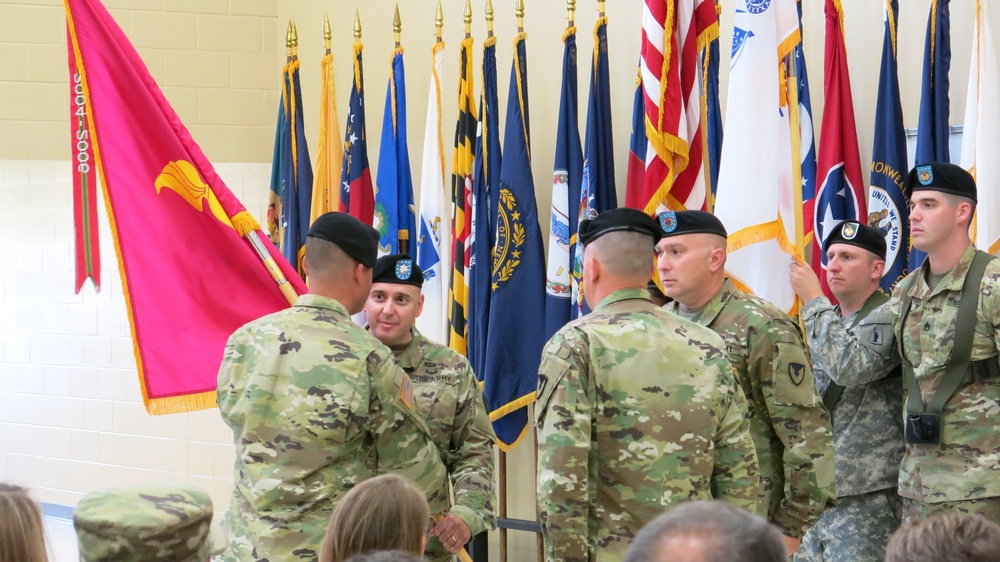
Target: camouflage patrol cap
x: 399, y: 269
x: 857, y: 234
x: 149, y: 522
x: 618, y: 220
x: 354, y: 237
x: 675, y: 223
x: 940, y: 176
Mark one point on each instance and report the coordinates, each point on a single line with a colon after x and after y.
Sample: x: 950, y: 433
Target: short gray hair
x: 726, y: 533
x: 625, y: 254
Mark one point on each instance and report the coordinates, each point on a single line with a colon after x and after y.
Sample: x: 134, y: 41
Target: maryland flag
x: 461, y: 200
x: 189, y: 254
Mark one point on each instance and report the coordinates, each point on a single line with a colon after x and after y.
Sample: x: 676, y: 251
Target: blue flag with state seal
x: 566, y: 184
x: 887, y: 208
x: 395, y: 218
x: 932, y: 124
x: 516, y: 325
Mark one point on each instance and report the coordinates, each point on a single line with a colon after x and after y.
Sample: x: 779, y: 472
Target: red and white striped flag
x: 673, y: 34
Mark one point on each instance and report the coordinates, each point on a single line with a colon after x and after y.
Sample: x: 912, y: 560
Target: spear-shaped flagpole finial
x: 295, y: 40
x: 438, y: 21
x: 357, y: 27
x: 397, y: 26
x: 571, y: 10
x: 288, y: 42
x: 519, y: 14
x: 489, y: 18
x: 600, y: 8
x: 327, y: 32
x: 467, y: 18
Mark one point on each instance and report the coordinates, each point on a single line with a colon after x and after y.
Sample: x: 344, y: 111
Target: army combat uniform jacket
x: 966, y: 464
x: 447, y: 394
x: 638, y: 411
x: 316, y: 405
x: 790, y: 428
x: 867, y: 426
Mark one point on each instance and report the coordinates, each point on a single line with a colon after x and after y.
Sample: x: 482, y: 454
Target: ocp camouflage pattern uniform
x: 638, y: 411
x: 316, y: 405
x: 448, y: 396
x: 168, y: 522
x: 790, y: 428
x: 966, y: 464
x: 867, y: 430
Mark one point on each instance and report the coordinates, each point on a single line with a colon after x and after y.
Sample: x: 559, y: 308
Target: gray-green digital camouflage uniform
x: 448, y: 396
x: 867, y: 430
x: 790, y: 427
x: 966, y: 464
x: 316, y: 405
x: 638, y: 411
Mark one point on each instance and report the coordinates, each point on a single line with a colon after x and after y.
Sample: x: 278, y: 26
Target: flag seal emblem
x: 758, y: 6
x: 849, y: 231
x: 668, y: 221
x: 404, y: 269
x: 925, y: 175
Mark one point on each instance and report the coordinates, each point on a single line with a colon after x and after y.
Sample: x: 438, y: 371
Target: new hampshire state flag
x: 189, y: 254
x: 755, y: 199
x: 516, y: 327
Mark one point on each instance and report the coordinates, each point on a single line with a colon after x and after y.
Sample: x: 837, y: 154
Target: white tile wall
x: 71, y: 413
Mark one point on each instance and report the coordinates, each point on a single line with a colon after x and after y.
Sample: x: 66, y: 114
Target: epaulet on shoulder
x: 768, y: 310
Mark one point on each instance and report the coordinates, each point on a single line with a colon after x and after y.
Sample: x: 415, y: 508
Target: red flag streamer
x: 88, y: 254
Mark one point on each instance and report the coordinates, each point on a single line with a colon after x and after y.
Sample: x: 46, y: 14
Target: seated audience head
x: 165, y: 522
x: 382, y: 513
x: 617, y: 252
x: 707, y: 531
x: 946, y: 537
x: 22, y: 534
x: 386, y: 556
x: 340, y: 253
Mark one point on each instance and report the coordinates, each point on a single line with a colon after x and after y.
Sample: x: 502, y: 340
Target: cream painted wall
x: 70, y: 413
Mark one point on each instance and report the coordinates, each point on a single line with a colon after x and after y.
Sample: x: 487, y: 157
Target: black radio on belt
x: 923, y: 429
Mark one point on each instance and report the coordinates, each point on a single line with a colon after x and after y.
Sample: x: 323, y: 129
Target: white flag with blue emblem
x: 434, y: 230
x: 755, y: 199
x: 981, y: 133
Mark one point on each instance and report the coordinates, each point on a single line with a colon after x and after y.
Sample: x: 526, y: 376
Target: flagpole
x: 795, y: 137
x: 402, y: 234
x: 600, y: 9
x: 489, y: 19
x: 438, y: 22
x: 703, y: 125
x: 467, y: 18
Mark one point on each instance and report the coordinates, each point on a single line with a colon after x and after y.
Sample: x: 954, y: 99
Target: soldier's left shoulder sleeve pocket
x: 553, y: 368
x: 877, y: 335
x: 792, y: 377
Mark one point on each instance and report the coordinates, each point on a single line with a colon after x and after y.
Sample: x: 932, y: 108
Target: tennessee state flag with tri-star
x: 189, y: 273
x: 357, y: 197
x: 841, y: 194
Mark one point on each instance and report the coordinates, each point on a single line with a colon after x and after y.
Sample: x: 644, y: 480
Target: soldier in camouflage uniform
x: 145, y: 523
x: 447, y: 394
x: 638, y: 410
x: 865, y: 404
x: 960, y: 472
x: 317, y: 405
x: 790, y: 428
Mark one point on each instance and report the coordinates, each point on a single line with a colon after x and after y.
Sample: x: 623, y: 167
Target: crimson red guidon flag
x: 194, y: 267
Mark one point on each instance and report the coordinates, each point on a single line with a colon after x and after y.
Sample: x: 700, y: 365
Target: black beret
x: 399, y: 269
x: 354, y: 237
x: 675, y: 223
x: 618, y: 220
x: 943, y: 177
x: 857, y: 234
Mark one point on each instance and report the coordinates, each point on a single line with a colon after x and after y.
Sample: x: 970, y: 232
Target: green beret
x: 857, y: 234
x: 674, y: 223
x: 940, y: 176
x: 354, y: 237
x: 618, y: 220
x: 145, y: 523
x: 399, y: 269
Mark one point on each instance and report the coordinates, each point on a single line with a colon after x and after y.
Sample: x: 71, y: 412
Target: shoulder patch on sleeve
x: 406, y: 395
x: 792, y: 376
x: 877, y: 337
